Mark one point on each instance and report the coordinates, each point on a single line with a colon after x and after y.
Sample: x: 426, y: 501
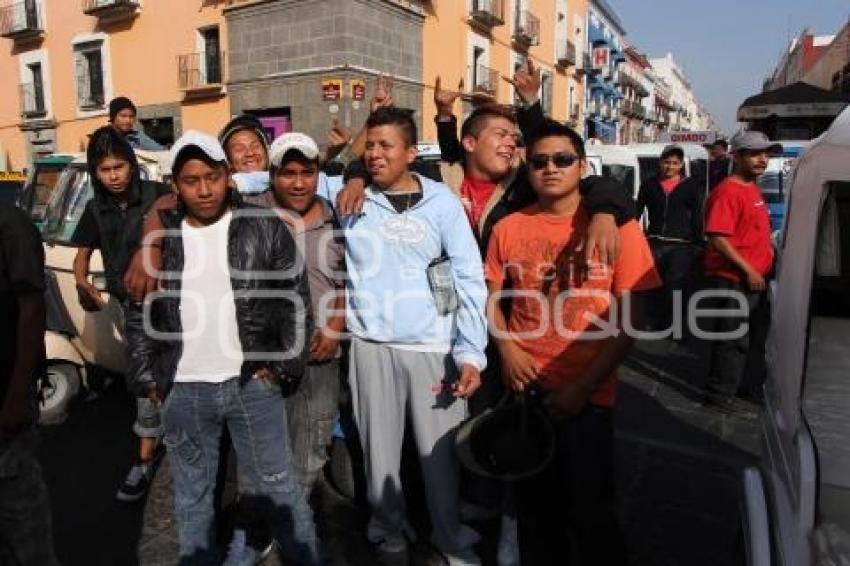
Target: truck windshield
x: 66, y: 207
x: 41, y: 188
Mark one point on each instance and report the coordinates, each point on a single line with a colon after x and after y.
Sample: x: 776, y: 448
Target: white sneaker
x: 508, y: 552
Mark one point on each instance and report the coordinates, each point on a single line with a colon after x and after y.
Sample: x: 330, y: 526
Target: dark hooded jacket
x: 114, y: 225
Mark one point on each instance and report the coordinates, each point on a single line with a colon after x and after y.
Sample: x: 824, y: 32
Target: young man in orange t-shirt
x: 564, y: 334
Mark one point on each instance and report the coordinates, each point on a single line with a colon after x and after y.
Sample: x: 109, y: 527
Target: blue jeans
x: 193, y: 416
x: 310, y: 414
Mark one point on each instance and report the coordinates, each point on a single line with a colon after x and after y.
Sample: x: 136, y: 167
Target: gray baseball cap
x: 753, y: 141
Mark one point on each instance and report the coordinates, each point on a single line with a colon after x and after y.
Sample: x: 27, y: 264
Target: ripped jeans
x: 193, y: 416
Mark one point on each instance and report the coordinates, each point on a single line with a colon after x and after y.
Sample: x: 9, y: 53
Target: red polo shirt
x: 737, y: 211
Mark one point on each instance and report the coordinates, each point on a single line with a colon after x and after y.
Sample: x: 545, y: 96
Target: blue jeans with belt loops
x: 193, y: 416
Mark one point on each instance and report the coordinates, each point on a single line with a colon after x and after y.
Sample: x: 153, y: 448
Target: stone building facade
x: 281, y: 51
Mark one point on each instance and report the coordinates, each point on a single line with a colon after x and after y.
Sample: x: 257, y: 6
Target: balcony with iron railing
x: 566, y: 53
x: 486, y: 80
x: 595, y: 106
x: 201, y: 74
x: 527, y: 29
x: 587, y: 64
x: 21, y: 21
x: 32, y: 101
x: 488, y: 13
x: 111, y: 10
x: 633, y: 109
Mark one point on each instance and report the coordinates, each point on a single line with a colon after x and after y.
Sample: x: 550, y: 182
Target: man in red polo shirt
x: 739, y: 257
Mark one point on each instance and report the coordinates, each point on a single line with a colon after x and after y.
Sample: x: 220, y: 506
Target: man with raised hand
x: 418, y: 332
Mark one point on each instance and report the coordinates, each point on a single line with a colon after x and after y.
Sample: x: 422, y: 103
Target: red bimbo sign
x: 688, y: 137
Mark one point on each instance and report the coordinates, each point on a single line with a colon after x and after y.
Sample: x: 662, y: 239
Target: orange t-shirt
x: 533, y: 256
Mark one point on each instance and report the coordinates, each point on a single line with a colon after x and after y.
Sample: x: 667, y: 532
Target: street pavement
x: 679, y: 466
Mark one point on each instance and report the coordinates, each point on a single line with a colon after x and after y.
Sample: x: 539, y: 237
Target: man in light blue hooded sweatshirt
x: 418, y: 334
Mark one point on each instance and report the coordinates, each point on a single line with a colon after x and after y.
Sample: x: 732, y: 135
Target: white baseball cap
x: 205, y: 142
x: 302, y: 143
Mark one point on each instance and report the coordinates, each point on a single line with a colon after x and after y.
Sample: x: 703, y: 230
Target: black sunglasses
x: 561, y: 159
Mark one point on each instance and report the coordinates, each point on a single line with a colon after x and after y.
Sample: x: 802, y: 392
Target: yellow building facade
x: 482, y: 41
x: 65, y: 59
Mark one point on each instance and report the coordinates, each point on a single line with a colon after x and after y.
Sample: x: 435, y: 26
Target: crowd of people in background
x: 258, y: 284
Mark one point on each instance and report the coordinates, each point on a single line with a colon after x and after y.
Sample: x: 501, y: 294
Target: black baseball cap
x: 673, y: 150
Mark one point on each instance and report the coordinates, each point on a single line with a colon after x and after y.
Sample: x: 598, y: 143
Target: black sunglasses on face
x: 562, y: 160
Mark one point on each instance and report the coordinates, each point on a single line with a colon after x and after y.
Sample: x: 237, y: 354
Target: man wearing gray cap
x: 739, y: 257
x: 219, y: 345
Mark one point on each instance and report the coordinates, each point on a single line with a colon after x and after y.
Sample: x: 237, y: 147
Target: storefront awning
x: 799, y: 100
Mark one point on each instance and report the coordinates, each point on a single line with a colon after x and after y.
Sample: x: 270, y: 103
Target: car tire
x: 57, y: 390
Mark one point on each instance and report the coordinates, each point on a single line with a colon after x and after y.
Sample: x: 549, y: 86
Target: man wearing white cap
x: 220, y: 344
x: 311, y: 410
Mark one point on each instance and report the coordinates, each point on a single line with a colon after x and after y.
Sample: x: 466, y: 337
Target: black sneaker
x: 392, y: 551
x: 139, y: 479
x: 136, y: 483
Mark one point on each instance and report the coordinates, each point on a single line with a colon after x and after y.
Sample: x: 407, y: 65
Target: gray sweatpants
x: 386, y: 383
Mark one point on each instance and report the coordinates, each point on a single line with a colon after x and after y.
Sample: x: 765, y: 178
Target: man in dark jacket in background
x: 221, y: 344
x: 674, y: 206
x: 122, y: 117
x: 719, y: 165
x: 112, y: 223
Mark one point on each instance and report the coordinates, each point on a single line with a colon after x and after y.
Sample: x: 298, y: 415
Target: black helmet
x: 513, y: 441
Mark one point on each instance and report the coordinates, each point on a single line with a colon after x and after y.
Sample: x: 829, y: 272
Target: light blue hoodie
x: 258, y: 182
x: 387, y: 254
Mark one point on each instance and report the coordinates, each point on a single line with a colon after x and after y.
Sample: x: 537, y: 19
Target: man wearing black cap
x: 739, y: 257
x: 674, y: 205
x: 122, y: 117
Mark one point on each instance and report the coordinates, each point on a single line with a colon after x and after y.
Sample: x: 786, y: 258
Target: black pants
x: 566, y: 515
x: 729, y: 356
x: 674, y: 263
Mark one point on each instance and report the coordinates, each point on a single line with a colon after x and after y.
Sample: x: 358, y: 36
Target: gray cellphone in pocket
x: 442, y: 283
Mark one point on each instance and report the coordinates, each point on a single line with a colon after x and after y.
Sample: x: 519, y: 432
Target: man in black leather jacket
x: 221, y: 344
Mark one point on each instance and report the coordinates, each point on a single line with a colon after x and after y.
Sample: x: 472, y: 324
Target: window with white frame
x: 546, y: 85
x: 561, y: 24
x: 480, y: 77
x: 89, y: 67
x: 34, y: 86
x: 210, y: 48
x: 520, y: 62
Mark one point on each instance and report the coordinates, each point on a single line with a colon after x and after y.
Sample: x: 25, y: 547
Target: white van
x: 618, y: 161
x: 696, y: 160
x: 798, y: 500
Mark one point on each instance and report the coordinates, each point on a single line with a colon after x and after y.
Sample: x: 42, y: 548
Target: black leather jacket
x: 262, y: 257
x: 677, y: 217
